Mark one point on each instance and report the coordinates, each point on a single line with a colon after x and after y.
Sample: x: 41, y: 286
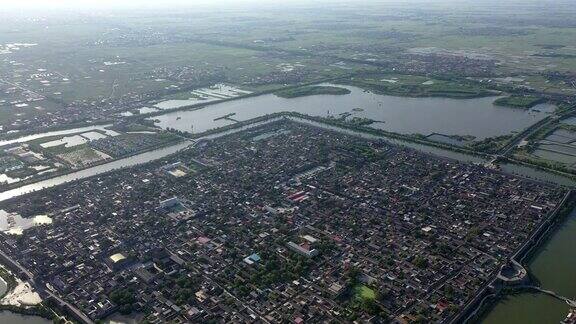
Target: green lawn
x: 311, y: 91
x: 525, y: 102
x: 365, y: 293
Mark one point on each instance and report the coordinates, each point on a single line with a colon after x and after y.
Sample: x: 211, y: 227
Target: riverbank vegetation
x: 8, y: 279
x: 491, y: 145
x: 311, y: 91
x: 524, y: 102
x: 418, y: 86
x: 38, y: 310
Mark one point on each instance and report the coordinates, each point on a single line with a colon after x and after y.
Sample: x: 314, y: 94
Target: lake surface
x: 478, y: 117
x: 528, y: 309
x: 514, y: 169
x: 554, y: 265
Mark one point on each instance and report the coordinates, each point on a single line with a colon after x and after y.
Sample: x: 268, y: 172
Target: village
x: 280, y: 222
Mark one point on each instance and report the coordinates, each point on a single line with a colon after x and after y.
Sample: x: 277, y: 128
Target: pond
x: 15, y: 224
x: 28, y: 138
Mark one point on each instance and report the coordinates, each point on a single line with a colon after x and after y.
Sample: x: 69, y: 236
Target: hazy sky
x: 144, y: 4
x: 27, y: 4
x: 75, y: 4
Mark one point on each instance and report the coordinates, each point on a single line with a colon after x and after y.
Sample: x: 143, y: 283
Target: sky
x: 86, y: 4
x: 74, y: 4
x: 26, y: 5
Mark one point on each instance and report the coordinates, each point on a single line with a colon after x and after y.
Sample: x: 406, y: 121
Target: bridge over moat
x: 570, y: 302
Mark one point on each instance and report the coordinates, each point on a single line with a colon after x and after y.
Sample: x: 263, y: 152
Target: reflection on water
x: 477, y: 117
x: 55, y: 133
x: 527, y: 309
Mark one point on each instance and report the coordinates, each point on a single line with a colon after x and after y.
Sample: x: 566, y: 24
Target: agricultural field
x: 554, y: 146
x: 60, y: 70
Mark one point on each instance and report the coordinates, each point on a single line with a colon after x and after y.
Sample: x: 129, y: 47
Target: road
x: 509, y: 148
x: 511, y: 145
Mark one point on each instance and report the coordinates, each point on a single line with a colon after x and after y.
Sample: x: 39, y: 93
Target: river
x: 163, y: 152
x: 478, y: 117
x: 114, y: 165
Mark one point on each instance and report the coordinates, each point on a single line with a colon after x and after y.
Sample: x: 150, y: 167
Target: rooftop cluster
x: 282, y: 222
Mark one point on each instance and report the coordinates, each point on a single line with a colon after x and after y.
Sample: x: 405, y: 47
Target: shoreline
x: 418, y: 139
x: 40, y: 309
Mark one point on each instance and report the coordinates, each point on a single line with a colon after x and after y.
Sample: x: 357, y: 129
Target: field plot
x: 204, y: 95
x: 83, y: 157
x: 558, y: 147
x: 418, y: 86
